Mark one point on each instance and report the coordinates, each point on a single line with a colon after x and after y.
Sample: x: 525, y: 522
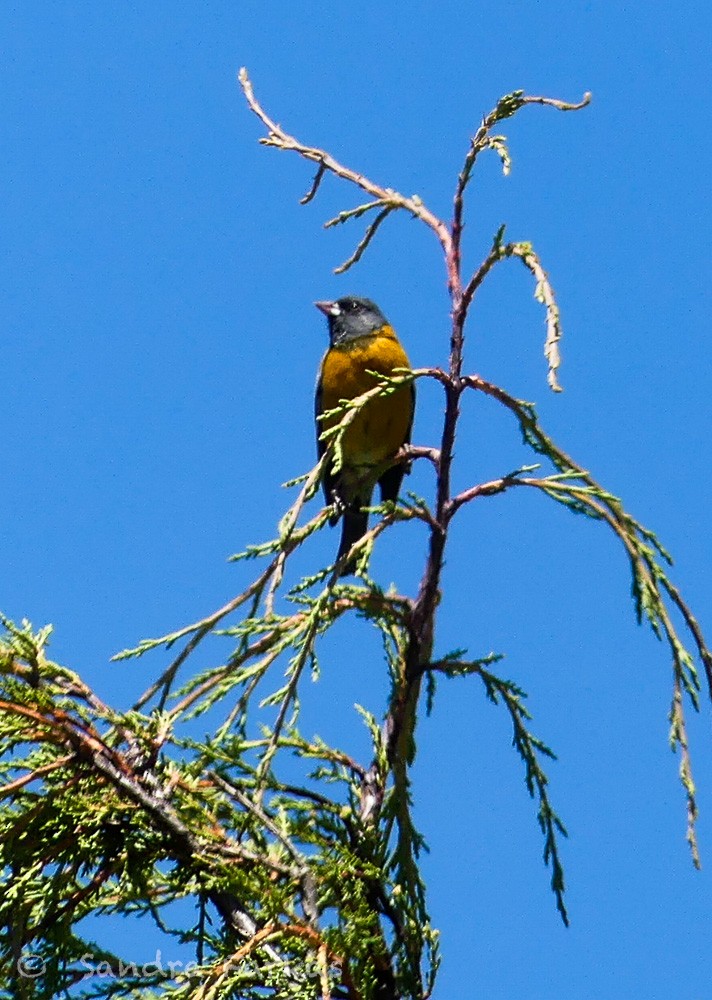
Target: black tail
x: 354, y: 526
x: 390, y: 482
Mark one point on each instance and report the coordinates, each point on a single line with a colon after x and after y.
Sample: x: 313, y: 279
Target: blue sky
x: 159, y: 353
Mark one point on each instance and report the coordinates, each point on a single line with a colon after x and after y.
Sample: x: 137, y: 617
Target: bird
x: 361, y: 340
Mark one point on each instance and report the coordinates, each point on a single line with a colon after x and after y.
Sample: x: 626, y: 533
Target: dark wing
x: 390, y: 481
x: 327, y: 481
x: 406, y: 439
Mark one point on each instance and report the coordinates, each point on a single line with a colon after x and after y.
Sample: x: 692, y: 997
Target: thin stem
x: 388, y: 196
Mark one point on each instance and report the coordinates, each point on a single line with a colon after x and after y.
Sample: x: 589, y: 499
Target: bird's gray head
x: 351, y: 317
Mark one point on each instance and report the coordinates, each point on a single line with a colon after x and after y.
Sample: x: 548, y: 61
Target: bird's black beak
x: 328, y: 308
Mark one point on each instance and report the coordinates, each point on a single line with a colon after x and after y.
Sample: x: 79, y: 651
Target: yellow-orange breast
x: 382, y: 426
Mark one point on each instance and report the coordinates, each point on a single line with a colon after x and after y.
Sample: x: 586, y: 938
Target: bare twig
x: 276, y: 136
x: 553, y: 102
x: 318, y: 177
x: 366, y: 239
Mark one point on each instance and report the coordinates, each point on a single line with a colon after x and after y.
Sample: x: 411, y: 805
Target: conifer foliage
x: 281, y: 865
